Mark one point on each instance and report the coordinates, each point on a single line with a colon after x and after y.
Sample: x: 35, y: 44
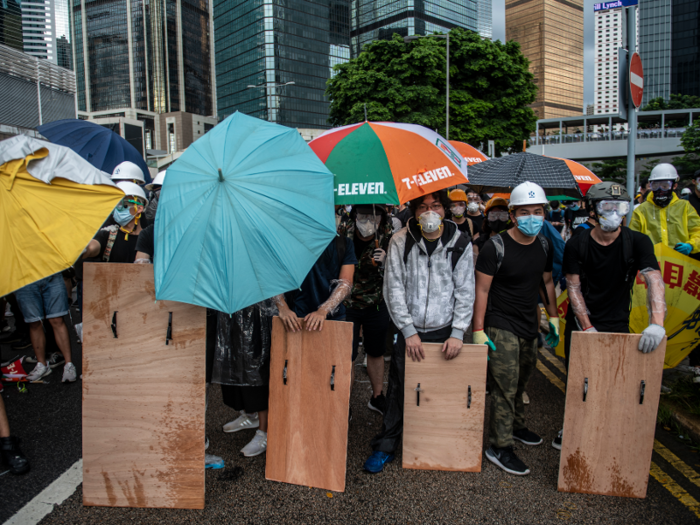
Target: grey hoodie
x: 425, y: 294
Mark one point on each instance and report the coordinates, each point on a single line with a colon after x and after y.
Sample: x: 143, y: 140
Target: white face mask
x: 365, y: 227
x: 610, y: 221
x: 473, y: 207
x: 697, y: 186
x: 348, y: 208
x: 430, y: 221
x: 457, y: 210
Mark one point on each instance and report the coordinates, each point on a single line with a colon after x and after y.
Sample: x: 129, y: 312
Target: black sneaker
x: 22, y: 344
x: 12, y: 455
x: 557, y: 440
x: 56, y: 359
x: 525, y: 436
x: 507, y: 460
x: 378, y: 404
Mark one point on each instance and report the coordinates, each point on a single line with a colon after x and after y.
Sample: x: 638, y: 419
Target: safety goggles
x: 128, y: 202
x: 435, y: 206
x: 498, y: 215
x: 368, y: 217
x: 621, y: 207
x: 661, y: 185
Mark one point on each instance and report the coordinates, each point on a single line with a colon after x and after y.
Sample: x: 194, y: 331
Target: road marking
x: 55, y: 494
x: 676, y: 490
x: 555, y: 361
x: 550, y: 375
x: 677, y: 463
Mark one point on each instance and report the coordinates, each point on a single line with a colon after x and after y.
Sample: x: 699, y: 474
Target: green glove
x: 552, y: 338
x: 479, y: 337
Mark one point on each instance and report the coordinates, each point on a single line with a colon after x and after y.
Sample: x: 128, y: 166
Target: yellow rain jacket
x: 677, y: 222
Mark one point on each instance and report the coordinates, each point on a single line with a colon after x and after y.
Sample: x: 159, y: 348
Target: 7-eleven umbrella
x: 388, y: 162
x: 470, y: 153
x: 585, y: 178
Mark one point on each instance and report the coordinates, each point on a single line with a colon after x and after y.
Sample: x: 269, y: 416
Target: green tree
x: 611, y: 170
x: 646, y: 172
x: 677, y: 101
x: 689, y: 163
x: 490, y: 88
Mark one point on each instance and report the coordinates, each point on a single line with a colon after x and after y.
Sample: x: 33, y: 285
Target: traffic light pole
x: 631, y: 110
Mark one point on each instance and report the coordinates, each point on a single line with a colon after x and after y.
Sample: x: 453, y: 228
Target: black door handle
x: 585, y: 389
x: 418, y: 391
x: 641, y: 391
x: 469, y: 396
x: 114, y: 324
x: 284, y: 372
x: 169, y: 334
x: 333, y: 378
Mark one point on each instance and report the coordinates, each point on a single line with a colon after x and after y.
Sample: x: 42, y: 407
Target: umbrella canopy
x: 100, y: 146
x: 388, y: 162
x: 505, y: 173
x: 243, y: 215
x: 585, y: 178
x: 470, y: 153
x: 52, y: 202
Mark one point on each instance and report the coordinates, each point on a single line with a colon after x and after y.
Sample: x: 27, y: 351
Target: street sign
x: 636, y: 79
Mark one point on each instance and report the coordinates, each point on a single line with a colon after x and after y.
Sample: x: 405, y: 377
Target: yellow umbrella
x: 52, y: 202
x: 681, y: 276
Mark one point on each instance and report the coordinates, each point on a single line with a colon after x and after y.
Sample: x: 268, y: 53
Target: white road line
x: 55, y: 494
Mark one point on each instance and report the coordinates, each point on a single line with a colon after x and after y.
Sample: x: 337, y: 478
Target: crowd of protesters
x: 449, y: 268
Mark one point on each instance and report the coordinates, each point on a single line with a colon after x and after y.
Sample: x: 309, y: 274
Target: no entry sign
x: 636, y: 80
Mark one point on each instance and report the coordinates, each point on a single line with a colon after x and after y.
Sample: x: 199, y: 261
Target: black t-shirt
x: 478, y: 222
x: 556, y: 216
x: 605, y: 291
x: 481, y: 241
x: 464, y: 227
x: 575, y: 218
x: 512, y: 304
x: 123, y: 251
x: 146, y: 242
x: 694, y: 201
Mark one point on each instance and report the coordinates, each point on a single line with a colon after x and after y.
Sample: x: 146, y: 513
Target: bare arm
x: 551, y: 295
x: 483, y: 285
x: 92, y: 250
x: 142, y: 258
x: 289, y: 319
x: 656, y: 296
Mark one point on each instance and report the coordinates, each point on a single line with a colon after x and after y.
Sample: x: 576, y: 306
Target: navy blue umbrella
x: 100, y: 146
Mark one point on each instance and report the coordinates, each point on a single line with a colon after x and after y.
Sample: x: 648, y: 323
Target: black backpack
x: 463, y: 241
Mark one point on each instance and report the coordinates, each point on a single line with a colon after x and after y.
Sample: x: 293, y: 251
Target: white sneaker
x: 40, y: 370
x: 526, y: 398
x: 257, y: 445
x: 243, y: 422
x: 69, y: 373
x: 31, y: 359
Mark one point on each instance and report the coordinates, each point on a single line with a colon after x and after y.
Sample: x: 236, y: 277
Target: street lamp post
x: 271, y: 86
x: 411, y: 38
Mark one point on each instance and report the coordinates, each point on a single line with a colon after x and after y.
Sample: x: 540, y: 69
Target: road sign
x: 636, y: 79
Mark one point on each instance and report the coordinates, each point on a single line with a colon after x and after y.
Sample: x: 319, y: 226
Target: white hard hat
x: 664, y: 171
x: 685, y: 191
x: 158, y: 181
x: 527, y: 193
x: 128, y: 171
x: 129, y: 188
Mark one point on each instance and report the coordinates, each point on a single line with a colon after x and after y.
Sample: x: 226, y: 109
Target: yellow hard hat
x: 458, y: 196
x: 495, y: 201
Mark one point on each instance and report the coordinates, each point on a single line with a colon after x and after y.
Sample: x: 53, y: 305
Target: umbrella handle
x: 376, y: 245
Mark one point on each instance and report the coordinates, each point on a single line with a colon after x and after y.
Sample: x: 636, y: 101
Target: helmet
x: 527, y: 193
x: 128, y: 171
x: 664, y: 171
x: 129, y: 188
x: 493, y: 202
x: 610, y: 191
x: 158, y: 181
x: 458, y: 196
x: 685, y: 191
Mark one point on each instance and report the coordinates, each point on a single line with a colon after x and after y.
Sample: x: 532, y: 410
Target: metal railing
x: 573, y: 138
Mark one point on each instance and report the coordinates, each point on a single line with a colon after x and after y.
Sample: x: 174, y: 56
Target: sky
x: 499, y: 33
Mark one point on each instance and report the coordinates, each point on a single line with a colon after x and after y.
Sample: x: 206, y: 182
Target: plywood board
x: 609, y: 437
x: 143, y: 399
x: 444, y: 429
x: 307, y: 437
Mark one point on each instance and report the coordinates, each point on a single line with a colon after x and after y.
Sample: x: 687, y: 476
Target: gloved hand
x: 379, y: 256
x: 591, y: 329
x: 684, y: 248
x: 479, y: 337
x: 651, y: 338
x: 552, y: 338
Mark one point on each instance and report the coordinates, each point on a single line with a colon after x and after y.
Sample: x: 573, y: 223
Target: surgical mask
x: 430, y: 221
x: 122, y: 216
x: 366, y: 227
x: 610, y: 221
x: 473, y: 207
x: 457, y: 210
x: 574, y: 207
x: 530, y: 225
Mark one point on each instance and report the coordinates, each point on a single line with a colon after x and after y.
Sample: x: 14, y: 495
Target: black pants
x: 374, y: 323
x: 392, y: 427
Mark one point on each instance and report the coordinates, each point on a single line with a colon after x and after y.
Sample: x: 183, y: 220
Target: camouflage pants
x: 510, y: 368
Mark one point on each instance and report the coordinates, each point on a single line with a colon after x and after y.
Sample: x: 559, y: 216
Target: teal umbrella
x: 243, y: 215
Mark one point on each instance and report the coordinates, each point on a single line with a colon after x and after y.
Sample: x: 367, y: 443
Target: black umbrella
x: 505, y: 173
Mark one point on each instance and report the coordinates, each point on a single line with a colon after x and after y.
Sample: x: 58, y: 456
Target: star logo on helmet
x: 532, y: 194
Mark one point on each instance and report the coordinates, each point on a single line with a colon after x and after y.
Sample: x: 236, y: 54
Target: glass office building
x: 151, y: 55
x: 655, y: 47
x: 484, y: 16
x: 11, y: 24
x: 685, y: 47
x: 381, y: 19
x: 550, y: 34
x: 268, y: 43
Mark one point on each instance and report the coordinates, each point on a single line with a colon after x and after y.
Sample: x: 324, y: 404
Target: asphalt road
x: 48, y: 420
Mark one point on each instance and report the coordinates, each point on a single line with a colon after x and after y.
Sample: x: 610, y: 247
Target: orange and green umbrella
x: 388, y: 162
x: 470, y: 153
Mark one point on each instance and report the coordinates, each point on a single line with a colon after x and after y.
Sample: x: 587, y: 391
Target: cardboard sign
x: 143, y: 392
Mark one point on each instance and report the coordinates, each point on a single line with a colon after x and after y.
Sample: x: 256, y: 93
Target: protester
x: 497, y: 221
x: 664, y: 217
x: 556, y: 216
x: 574, y: 216
x: 458, y: 212
x: 10, y: 452
x: 601, y: 267
x: 370, y: 232
x: 475, y: 208
x: 47, y: 299
x: 154, y: 194
x: 128, y: 171
x: 429, y: 291
x: 511, y: 270
x: 685, y: 194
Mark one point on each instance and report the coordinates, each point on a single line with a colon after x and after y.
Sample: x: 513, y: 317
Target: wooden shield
x: 143, y: 392
x: 444, y: 403
x: 612, y: 396
x: 307, y: 439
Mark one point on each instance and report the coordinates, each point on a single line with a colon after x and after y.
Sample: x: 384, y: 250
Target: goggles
x: 605, y: 207
x: 128, y: 202
x: 365, y: 217
x: 498, y: 215
x: 435, y: 206
x: 661, y: 185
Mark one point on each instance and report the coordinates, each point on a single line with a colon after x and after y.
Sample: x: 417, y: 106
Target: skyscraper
x: 39, y: 28
x: 550, y: 33
x: 484, y: 16
x: 380, y: 19
x: 11, y: 24
x: 655, y: 47
x: 685, y: 47
x: 269, y: 43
